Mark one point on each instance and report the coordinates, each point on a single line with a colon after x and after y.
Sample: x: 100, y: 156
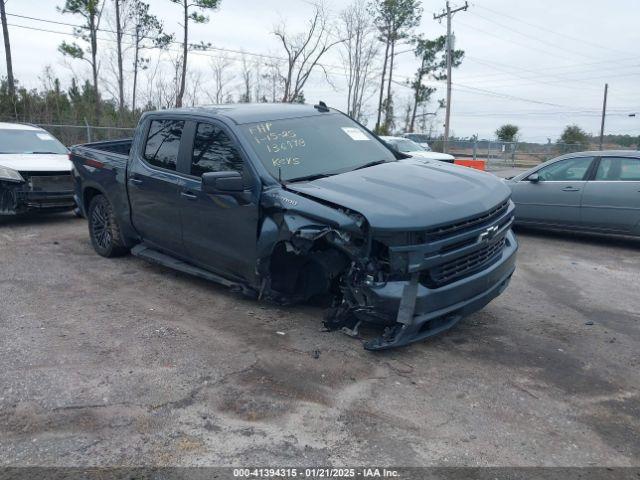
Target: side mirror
x: 222, y: 182
x: 534, y: 178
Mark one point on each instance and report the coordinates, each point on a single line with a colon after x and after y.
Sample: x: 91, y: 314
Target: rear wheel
x: 103, y: 228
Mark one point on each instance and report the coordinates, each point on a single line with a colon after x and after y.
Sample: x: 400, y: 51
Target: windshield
x: 406, y: 146
x: 29, y: 141
x: 297, y: 148
x: 417, y: 137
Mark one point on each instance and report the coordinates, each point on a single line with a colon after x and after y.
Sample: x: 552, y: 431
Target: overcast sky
x: 539, y: 64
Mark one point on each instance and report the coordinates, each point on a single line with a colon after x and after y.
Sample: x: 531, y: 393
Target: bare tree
x: 275, y: 79
x: 91, y: 12
x: 304, y: 51
x: 163, y: 81
x: 394, y: 20
x: 358, y: 52
x: 190, y: 15
x: 220, y: 67
x: 258, y: 96
x: 148, y: 32
x: 194, y: 87
x: 247, y: 77
x: 119, y: 34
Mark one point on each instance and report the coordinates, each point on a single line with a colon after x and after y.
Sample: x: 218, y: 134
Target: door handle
x: 189, y: 195
x: 135, y: 181
x: 570, y: 189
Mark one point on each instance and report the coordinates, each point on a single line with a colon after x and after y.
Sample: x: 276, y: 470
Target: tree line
x: 572, y: 136
x: 371, y: 37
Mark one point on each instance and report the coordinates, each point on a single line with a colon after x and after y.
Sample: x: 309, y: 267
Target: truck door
x: 154, y: 186
x: 219, y: 230
x: 611, y: 199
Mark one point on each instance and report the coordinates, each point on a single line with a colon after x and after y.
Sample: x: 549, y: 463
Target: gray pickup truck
x: 290, y: 202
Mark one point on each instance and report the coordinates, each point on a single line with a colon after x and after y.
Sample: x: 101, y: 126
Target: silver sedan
x: 587, y: 191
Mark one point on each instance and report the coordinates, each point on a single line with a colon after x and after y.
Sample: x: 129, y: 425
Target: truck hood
x: 36, y: 162
x: 409, y: 194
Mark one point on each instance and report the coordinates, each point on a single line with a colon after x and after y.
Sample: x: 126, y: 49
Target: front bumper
x: 16, y: 199
x: 433, y: 310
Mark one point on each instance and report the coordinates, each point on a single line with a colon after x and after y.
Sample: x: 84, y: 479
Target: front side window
x: 619, y: 169
x: 163, y: 143
x: 572, y: 169
x: 328, y: 144
x: 214, y: 151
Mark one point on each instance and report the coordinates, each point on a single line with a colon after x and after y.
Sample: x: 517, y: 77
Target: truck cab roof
x: 242, y: 113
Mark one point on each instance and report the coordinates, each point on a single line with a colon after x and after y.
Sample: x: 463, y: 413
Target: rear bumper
x: 438, y: 309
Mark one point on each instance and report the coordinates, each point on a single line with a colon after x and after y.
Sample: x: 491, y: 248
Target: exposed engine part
x: 303, y: 276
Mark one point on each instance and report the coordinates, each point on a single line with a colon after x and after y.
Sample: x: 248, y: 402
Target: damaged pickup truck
x: 290, y: 202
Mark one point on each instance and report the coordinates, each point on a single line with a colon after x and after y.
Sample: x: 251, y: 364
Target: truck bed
x: 101, y: 166
x: 120, y: 147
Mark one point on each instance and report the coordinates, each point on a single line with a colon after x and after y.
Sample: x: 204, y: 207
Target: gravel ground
x: 106, y: 362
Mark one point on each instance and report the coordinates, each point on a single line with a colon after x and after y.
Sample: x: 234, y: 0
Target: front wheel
x: 103, y: 228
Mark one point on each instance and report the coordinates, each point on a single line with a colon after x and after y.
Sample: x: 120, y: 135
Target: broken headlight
x: 9, y: 175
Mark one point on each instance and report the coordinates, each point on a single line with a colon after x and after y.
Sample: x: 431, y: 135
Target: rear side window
x: 571, y: 169
x: 163, y: 143
x: 619, y: 169
x: 214, y: 151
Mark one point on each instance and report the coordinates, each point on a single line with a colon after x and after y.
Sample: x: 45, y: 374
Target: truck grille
x: 464, y: 266
x: 458, y: 227
x: 452, y: 251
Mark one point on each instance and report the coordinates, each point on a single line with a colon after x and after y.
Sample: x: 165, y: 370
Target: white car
x: 35, y: 171
x: 420, y: 138
x: 410, y: 147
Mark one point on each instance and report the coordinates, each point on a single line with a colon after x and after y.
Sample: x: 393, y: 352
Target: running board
x: 160, y: 258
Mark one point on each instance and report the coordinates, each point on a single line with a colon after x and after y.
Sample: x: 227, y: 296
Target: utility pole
x: 448, y: 12
x: 7, y: 50
x: 604, y: 113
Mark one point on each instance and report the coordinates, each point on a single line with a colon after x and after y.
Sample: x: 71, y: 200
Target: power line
x: 531, y: 37
x: 509, y: 113
x: 517, y: 75
x: 175, y: 42
x: 104, y: 30
x: 561, y: 71
x: 557, y: 83
x: 511, y: 41
x: 549, y: 30
x: 510, y: 97
x: 200, y: 52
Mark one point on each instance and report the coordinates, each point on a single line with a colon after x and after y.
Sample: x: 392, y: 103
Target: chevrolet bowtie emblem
x: 488, y: 234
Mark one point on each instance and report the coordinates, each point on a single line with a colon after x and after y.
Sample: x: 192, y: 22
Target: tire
x: 104, y: 231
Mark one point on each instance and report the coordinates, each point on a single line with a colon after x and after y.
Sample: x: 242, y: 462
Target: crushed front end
x: 36, y: 191
x: 420, y: 283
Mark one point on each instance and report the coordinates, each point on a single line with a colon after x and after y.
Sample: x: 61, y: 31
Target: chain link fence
x: 74, y: 134
x: 500, y: 155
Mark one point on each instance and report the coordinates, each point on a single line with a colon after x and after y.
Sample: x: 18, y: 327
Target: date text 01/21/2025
x: 315, y: 473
